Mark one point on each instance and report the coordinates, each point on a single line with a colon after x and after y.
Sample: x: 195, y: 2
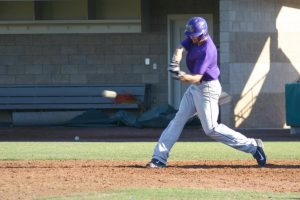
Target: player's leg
x: 171, y: 134
x: 208, y: 110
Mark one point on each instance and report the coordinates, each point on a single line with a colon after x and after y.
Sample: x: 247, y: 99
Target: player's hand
x: 179, y: 75
x: 183, y: 77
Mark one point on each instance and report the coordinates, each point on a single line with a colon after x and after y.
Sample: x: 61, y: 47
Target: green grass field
x: 142, y: 151
x: 175, y: 193
x: 137, y: 151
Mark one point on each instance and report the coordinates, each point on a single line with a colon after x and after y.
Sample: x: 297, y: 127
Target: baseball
x: 76, y: 138
x: 109, y: 93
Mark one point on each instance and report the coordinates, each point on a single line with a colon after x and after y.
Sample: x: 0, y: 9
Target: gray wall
x: 98, y: 58
x: 257, y: 59
x: 250, y: 45
x: 81, y: 58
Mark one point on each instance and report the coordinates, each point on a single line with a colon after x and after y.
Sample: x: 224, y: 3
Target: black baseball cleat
x: 259, y: 155
x: 154, y: 163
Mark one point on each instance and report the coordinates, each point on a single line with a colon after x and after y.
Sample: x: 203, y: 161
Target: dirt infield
x: 32, y: 179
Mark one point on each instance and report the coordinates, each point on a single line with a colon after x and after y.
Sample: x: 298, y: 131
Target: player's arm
x: 174, y: 66
x: 200, y: 67
x: 175, y: 69
x: 191, y: 78
x: 177, y: 56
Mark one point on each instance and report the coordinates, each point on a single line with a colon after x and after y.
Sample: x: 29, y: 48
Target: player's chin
x: 195, y: 40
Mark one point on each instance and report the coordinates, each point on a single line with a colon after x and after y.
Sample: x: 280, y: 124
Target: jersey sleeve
x: 186, y: 43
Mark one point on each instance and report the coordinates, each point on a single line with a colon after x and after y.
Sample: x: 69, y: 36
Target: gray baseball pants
x: 201, y: 99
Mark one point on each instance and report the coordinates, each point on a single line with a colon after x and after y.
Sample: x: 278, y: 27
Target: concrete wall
x: 99, y: 58
x: 83, y: 59
x: 258, y: 55
x: 258, y: 42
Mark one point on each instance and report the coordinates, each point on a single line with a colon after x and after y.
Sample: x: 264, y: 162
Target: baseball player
x: 201, y: 97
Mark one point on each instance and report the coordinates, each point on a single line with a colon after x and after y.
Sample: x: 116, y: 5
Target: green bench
x: 292, y: 106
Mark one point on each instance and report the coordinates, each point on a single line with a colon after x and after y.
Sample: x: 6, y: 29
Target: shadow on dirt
x: 212, y: 166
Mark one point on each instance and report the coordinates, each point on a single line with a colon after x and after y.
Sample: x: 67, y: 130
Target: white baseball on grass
x: 109, y: 93
x: 76, y: 138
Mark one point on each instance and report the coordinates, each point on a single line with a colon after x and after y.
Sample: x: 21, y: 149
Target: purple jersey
x: 202, y: 59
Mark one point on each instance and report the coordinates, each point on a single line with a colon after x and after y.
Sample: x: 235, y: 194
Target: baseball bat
x: 224, y: 98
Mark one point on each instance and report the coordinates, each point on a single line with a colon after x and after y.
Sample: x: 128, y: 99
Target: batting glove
x: 174, y: 67
x: 178, y: 75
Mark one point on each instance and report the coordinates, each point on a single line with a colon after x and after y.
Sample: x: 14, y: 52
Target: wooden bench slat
x: 54, y: 100
x: 68, y: 91
x: 67, y: 106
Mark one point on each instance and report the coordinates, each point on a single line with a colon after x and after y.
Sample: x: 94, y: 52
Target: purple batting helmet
x: 195, y: 27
